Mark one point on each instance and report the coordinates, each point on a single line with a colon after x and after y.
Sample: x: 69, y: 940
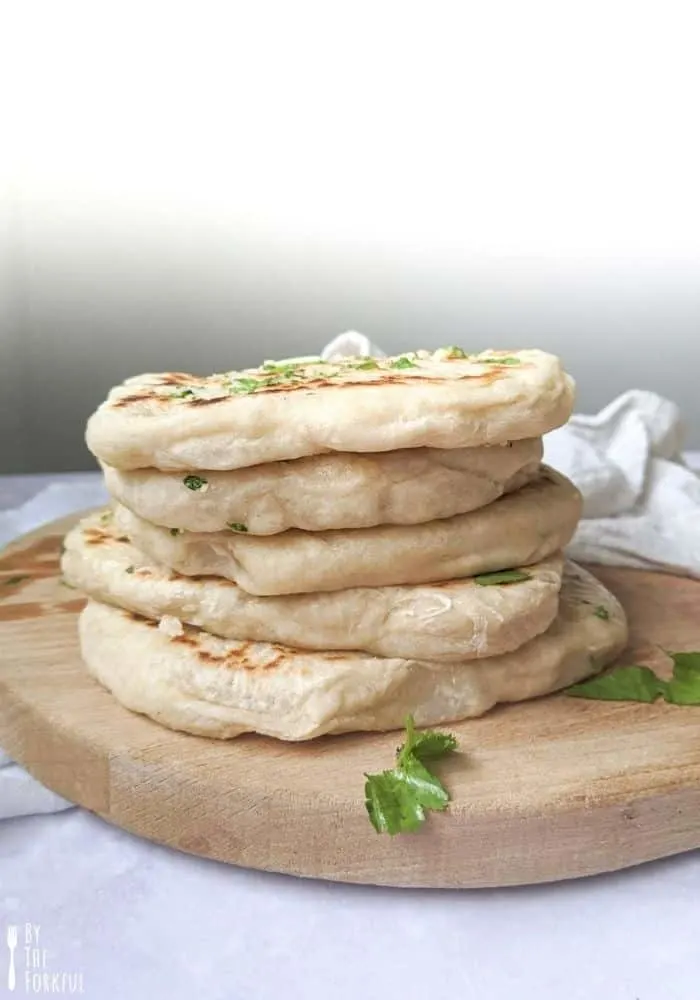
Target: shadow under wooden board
x: 545, y: 790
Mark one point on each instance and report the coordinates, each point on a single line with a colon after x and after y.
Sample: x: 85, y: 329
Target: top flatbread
x: 175, y: 421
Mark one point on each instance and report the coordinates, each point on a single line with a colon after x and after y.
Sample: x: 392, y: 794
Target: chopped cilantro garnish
x: 601, y: 612
x: 242, y: 386
x: 129, y: 569
x: 402, y: 362
x: 182, y: 394
x: 499, y: 361
x: 367, y: 365
x: 175, y: 531
x: 236, y: 526
x: 454, y: 352
x: 194, y: 482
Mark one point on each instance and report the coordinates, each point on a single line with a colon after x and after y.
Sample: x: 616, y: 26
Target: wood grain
x: 545, y: 790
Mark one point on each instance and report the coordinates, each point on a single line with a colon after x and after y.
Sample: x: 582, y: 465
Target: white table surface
x: 140, y: 921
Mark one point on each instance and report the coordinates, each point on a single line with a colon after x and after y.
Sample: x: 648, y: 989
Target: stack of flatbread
x: 315, y: 547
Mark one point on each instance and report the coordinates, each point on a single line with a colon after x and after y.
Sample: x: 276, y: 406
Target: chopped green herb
x: 12, y: 581
x: 242, y: 386
x: 396, y: 800
x: 454, y: 352
x: 106, y: 517
x: 195, y: 482
x: 182, y: 394
x: 236, y: 526
x: 503, y: 576
x: 402, y: 362
x: 623, y: 684
x: 684, y: 687
x: 367, y: 365
x: 129, y: 569
x: 637, y: 683
x: 175, y: 532
x: 601, y: 612
x: 499, y: 361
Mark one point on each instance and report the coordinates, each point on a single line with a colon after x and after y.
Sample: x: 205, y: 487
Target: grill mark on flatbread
x: 140, y: 618
x: 143, y: 397
x: 341, y: 381
x: 96, y: 536
x: 236, y: 659
x: 175, y: 378
x: 205, y: 402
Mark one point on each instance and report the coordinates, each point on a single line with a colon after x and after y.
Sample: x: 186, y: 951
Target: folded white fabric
x: 641, y: 509
x: 641, y: 501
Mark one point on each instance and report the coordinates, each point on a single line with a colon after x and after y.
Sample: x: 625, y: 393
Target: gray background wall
x: 251, y: 182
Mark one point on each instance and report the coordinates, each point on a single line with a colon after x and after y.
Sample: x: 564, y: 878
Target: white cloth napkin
x: 641, y: 508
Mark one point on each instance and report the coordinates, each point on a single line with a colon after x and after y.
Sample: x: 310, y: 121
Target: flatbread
x: 519, y: 529
x: 192, y: 681
x: 458, y: 620
x: 325, y: 492
x: 176, y: 421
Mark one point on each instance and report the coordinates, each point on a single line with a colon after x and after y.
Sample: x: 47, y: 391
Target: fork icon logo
x: 12, y: 945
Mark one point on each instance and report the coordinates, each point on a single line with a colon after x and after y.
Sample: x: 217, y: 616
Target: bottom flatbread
x: 189, y: 680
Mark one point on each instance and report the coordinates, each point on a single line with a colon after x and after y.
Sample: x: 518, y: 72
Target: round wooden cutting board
x: 545, y: 790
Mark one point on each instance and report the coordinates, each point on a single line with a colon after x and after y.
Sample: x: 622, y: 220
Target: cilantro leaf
x: 426, y: 745
x: 195, y: 482
x: 367, y: 365
x: 236, y: 526
x: 622, y: 684
x: 684, y: 687
x: 396, y: 800
x: 454, y: 352
x: 642, y: 684
x: 503, y: 576
x: 182, y: 394
x: 241, y: 386
x: 175, y: 532
x: 499, y: 361
x: 601, y: 612
x: 428, y: 791
x: 402, y: 362
x: 390, y: 805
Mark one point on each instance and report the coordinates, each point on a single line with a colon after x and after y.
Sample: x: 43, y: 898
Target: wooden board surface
x: 545, y: 790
